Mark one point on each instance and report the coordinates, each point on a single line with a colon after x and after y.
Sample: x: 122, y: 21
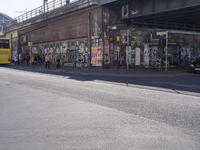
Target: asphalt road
x: 40, y: 111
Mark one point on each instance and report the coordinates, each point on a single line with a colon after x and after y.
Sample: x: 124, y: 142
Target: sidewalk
x: 102, y: 72
x: 173, y: 81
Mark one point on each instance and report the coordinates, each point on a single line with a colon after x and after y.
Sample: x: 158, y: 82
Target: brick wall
x: 71, y: 26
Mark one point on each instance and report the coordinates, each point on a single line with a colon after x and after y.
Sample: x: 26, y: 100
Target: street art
x: 116, y: 47
x: 124, y: 37
x: 137, y: 56
x: 111, y: 47
x: 94, y: 59
x: 188, y: 54
x: 125, y: 11
x: 128, y: 55
x: 117, y: 50
x: 155, y: 59
x: 106, y: 53
x: 97, y: 52
x: 71, y: 53
x: 132, y: 56
x: 97, y: 57
x: 34, y: 50
x: 146, y: 55
x: 106, y: 20
x: 97, y: 43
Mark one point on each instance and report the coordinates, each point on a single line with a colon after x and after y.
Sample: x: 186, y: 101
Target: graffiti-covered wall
x: 105, y: 28
x: 70, y: 52
x: 142, y: 47
x: 66, y: 37
x: 135, y: 46
x: 187, y: 47
x: 96, y: 38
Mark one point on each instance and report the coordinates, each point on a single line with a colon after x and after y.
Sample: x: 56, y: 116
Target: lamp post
x: 166, y: 52
x: 67, y: 2
x: 44, y: 4
x: 89, y: 35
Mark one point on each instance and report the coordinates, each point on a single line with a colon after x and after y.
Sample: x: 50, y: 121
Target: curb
x: 92, y: 72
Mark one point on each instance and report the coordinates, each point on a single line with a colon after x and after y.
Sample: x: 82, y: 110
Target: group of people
x: 37, y: 60
x: 27, y: 60
x: 17, y: 59
x: 48, y: 62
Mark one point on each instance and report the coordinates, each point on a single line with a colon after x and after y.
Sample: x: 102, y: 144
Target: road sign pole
x: 166, y: 52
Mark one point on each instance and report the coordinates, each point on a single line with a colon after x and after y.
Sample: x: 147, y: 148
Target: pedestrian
x: 15, y: 59
x: 47, y: 61
x: 63, y: 60
x: 27, y: 60
x: 39, y: 60
x: 33, y: 60
x: 20, y: 59
x: 58, y: 62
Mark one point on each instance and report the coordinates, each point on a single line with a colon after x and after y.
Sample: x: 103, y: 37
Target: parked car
x: 195, y: 66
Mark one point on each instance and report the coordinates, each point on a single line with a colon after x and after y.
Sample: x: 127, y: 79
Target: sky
x: 13, y: 8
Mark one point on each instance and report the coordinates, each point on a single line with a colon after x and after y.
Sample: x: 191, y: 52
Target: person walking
x: 47, y: 61
x: 58, y: 61
x: 15, y: 59
x: 27, y: 60
x: 62, y: 60
x: 32, y: 60
x: 20, y: 59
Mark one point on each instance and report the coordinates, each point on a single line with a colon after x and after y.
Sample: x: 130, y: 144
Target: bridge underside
x: 182, y: 19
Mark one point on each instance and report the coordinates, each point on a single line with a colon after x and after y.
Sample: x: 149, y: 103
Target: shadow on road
x: 176, y: 81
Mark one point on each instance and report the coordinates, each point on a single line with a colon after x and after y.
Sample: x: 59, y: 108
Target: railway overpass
x: 173, y: 14
x: 82, y: 30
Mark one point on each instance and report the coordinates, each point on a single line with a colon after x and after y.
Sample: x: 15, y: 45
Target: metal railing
x: 51, y: 6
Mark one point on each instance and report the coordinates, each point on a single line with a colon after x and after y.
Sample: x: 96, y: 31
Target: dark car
x: 195, y: 66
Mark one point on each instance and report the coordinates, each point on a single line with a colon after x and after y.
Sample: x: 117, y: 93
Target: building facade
x: 104, y: 35
x: 135, y: 43
x: 4, y: 21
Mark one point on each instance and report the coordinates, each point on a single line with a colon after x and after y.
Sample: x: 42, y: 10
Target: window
x: 4, y: 43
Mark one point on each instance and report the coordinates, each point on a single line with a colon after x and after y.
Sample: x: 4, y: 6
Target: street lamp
x: 166, y: 51
x: 44, y: 4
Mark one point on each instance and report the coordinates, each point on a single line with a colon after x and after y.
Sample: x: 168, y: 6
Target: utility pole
x: 166, y: 52
x: 44, y: 4
x: 67, y: 2
x: 89, y: 35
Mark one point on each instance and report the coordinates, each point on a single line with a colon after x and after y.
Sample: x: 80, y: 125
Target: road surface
x: 40, y: 111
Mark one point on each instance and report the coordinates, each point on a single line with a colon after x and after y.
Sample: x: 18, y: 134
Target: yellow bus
x: 5, y: 51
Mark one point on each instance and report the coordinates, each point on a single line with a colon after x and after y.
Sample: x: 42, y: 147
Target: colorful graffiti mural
x: 71, y: 53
